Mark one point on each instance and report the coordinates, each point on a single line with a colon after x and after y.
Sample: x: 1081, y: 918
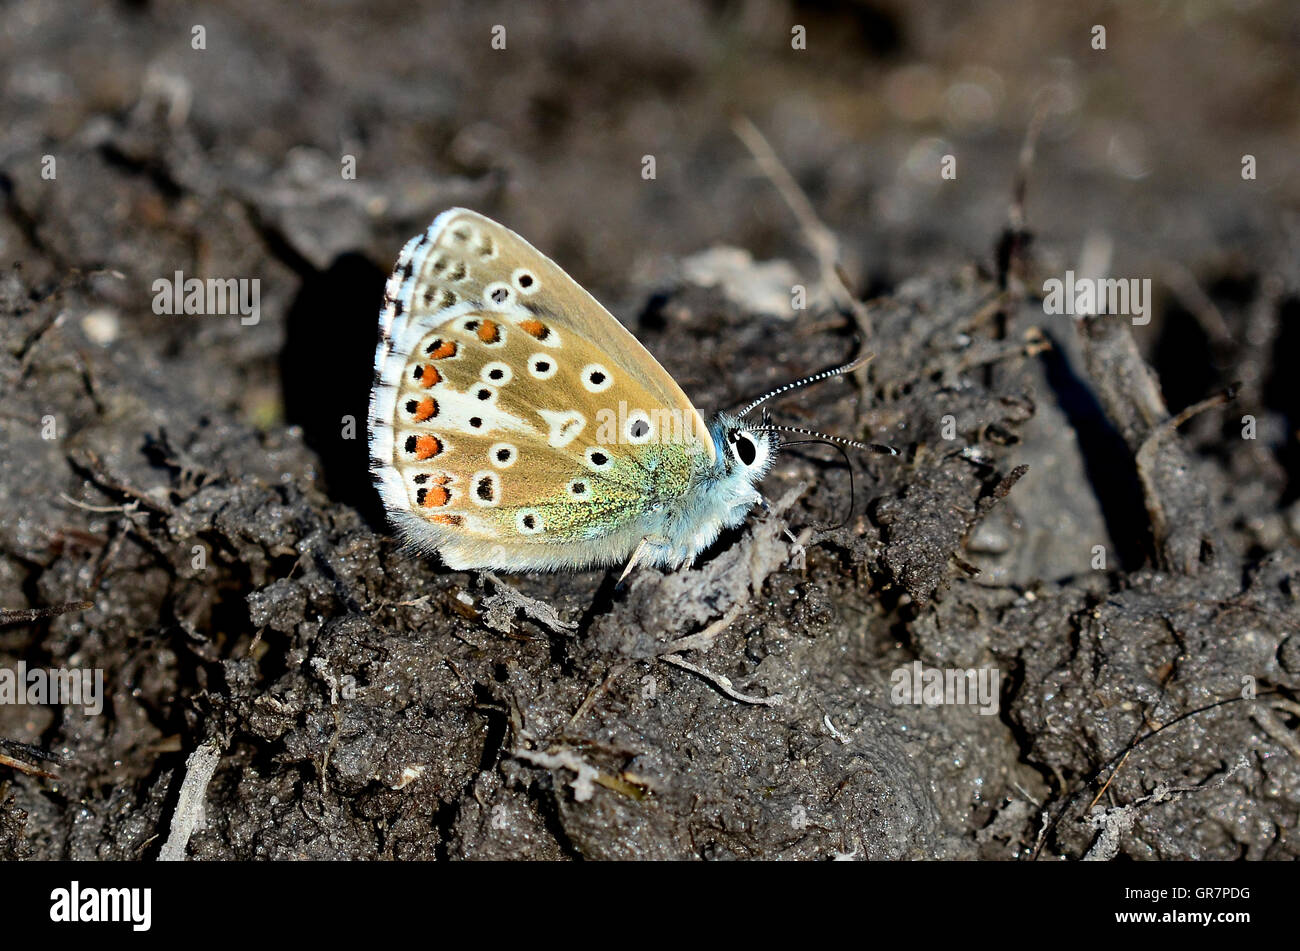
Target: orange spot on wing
x: 447, y: 519
x: 534, y: 328
x: 426, y: 447
x: 435, y: 497
x: 427, y: 409
x: 489, y: 332
x: 429, y: 376
x: 445, y: 349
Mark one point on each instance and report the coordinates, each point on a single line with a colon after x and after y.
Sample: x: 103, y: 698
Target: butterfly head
x: 744, y: 451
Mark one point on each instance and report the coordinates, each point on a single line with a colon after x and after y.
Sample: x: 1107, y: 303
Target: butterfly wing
x: 515, y: 423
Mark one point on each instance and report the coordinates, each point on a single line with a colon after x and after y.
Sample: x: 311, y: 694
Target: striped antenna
x: 815, y: 378
x: 837, y: 440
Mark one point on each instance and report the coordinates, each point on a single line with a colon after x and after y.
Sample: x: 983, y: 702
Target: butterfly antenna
x: 823, y: 437
x: 815, y: 378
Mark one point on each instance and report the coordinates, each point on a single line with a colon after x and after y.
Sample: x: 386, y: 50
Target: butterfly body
x: 515, y: 424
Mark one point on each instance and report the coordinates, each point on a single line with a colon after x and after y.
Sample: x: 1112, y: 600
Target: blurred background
x: 243, y: 141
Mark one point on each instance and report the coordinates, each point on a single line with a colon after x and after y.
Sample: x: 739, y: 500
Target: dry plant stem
x: 36, y: 614
x: 1051, y: 821
x: 25, y: 767
x: 703, y: 640
x: 1113, y: 823
x: 821, y: 241
x: 199, y: 768
x: 1101, y: 792
x: 722, y: 683
x: 593, y: 695
x: 1145, y: 458
x: 1187, y: 289
x: 1011, y: 244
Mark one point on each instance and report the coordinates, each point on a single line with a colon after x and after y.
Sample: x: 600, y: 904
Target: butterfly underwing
x: 515, y: 424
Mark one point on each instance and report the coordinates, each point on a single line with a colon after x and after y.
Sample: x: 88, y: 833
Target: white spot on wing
x: 594, y: 454
x: 565, y: 426
x: 595, y: 378
x: 498, y: 294
x: 525, y: 281
x: 506, y: 374
x: 640, y: 428
x: 494, y: 455
x: 542, y: 366
x: 488, y: 483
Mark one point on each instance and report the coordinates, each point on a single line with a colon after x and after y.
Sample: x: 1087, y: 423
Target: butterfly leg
x: 639, y: 554
x: 631, y: 562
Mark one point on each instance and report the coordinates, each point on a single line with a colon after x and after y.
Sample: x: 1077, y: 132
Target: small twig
x: 722, y: 682
x: 1101, y: 792
x: 820, y: 239
x: 703, y: 640
x: 1015, y: 237
x: 200, y: 766
x: 1002, y: 489
x: 91, y: 464
x: 33, y: 752
x: 1034, y: 344
x: 987, y: 311
x: 499, y: 608
x: 1024, y: 165
x: 124, y: 509
x: 1147, y: 450
x: 1113, y: 823
x: 593, y: 694
x: 1290, y: 706
x: 1276, y: 729
x: 35, y: 614
x: 832, y: 730
x: 1053, y: 821
x: 1187, y: 289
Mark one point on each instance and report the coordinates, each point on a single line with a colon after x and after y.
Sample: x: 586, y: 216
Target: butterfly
x: 515, y: 424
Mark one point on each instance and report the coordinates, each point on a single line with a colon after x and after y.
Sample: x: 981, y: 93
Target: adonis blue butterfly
x: 516, y: 424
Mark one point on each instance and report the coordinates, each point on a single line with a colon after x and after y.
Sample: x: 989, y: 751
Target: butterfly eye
x: 744, y: 448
